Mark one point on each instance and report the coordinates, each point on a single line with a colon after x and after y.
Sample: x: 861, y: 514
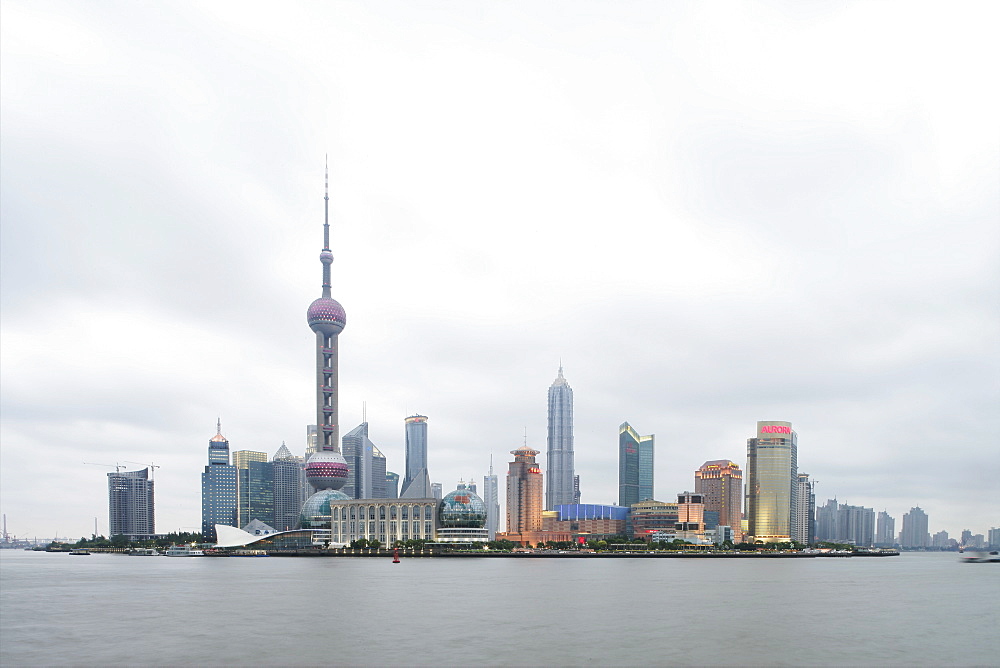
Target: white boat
x: 981, y: 557
x: 183, y: 551
x: 143, y: 552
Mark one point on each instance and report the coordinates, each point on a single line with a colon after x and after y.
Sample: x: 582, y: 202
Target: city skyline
x: 824, y: 254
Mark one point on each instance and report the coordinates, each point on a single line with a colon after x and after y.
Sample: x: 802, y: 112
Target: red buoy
x: 395, y: 555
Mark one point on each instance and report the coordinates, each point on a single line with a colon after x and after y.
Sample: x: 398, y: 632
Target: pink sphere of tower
x: 327, y: 470
x: 326, y: 315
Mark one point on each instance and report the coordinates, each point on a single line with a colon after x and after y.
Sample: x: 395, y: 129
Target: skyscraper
x: 914, y: 533
x: 491, y: 497
x: 885, y: 530
x: 804, y: 514
x: 772, y: 474
x: 635, y: 466
x: 559, y: 457
x: 219, y: 500
x: 391, y: 485
x: 130, y: 503
x: 255, y: 487
x: 416, y: 459
x: 289, y: 477
x: 366, y: 463
x: 720, y: 481
x: 326, y: 469
x: 524, y: 492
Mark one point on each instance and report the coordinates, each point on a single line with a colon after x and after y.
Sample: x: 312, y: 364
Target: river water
x: 915, y: 609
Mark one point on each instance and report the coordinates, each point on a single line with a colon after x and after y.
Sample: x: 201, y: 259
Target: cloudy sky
x: 712, y: 213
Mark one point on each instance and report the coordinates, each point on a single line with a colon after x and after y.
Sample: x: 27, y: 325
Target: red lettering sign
x: 775, y: 429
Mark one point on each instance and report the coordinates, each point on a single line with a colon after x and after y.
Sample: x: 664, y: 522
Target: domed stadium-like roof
x: 318, y: 505
x: 462, y: 509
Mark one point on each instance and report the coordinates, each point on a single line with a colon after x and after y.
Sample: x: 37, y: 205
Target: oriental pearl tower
x: 326, y: 469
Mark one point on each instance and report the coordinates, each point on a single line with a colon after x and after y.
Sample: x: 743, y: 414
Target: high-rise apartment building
x: 366, y: 463
x: 491, y: 497
x: 804, y: 513
x: 635, y: 466
x: 885, y: 530
x: 219, y: 498
x: 416, y: 459
x: 524, y: 492
x: 720, y: 482
x: 993, y: 538
x: 914, y: 532
x: 559, y: 456
x: 130, y: 503
x: 857, y: 525
x: 772, y: 476
x: 940, y: 539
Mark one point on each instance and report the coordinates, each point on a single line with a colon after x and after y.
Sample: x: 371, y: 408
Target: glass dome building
x: 462, y: 517
x: 316, y: 509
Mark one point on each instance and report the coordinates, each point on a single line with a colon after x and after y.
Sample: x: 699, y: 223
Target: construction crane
x: 152, y: 467
x: 116, y: 466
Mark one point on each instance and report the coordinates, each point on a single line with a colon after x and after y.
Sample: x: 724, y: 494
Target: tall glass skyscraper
x: 559, y: 488
x: 289, y: 477
x: 635, y: 466
x: 367, y: 464
x: 218, y: 487
x: 416, y: 458
x: 772, y: 482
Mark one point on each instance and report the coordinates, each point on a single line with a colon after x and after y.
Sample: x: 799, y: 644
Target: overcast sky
x: 712, y: 213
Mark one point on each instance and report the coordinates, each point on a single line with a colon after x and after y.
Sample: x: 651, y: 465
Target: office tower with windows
x: 772, y: 477
x: 391, y: 485
x: 416, y: 459
x: 130, y: 503
x: 885, y: 530
x: 255, y: 487
x: 804, y: 514
x: 635, y: 466
x: 559, y: 456
x: 524, y: 492
x: 914, y: 533
x: 219, y: 499
x: 366, y: 463
x: 720, y: 482
x: 289, y: 478
x: 491, y: 497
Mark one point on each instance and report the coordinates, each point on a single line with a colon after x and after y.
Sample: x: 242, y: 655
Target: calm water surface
x: 916, y: 609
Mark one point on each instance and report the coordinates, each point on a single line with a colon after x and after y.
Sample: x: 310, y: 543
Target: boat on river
x: 981, y: 557
x: 183, y: 551
x: 143, y: 552
x: 80, y: 551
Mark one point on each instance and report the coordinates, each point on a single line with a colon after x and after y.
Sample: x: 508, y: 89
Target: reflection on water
x: 916, y: 609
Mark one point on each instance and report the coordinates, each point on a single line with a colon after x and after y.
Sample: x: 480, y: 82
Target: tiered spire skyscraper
x: 559, y: 488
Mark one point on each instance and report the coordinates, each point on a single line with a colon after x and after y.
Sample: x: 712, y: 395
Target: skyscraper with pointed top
x: 560, y: 487
x: 326, y: 469
x: 218, y: 487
